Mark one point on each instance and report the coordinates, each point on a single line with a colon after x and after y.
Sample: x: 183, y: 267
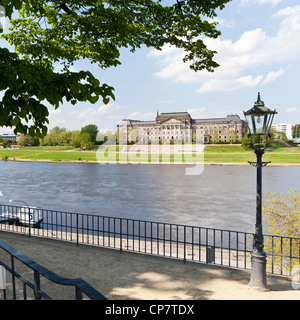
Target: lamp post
x: 259, y: 120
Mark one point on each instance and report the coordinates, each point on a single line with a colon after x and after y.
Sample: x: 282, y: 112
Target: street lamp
x: 259, y: 120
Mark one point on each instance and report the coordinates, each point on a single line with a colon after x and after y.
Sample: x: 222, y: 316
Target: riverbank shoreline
x: 209, y: 163
x: 231, y: 155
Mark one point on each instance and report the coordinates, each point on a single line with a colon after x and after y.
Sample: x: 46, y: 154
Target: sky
x: 258, y: 51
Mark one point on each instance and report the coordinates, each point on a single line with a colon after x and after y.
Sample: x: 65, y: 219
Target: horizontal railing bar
x: 135, y: 220
x: 77, y: 282
x: 151, y: 237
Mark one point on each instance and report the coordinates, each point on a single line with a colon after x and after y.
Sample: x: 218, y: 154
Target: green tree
x: 92, y: 130
x: 47, y: 32
x: 86, y: 140
x: 66, y: 138
x: 282, y: 217
x: 51, y: 139
x: 57, y: 130
x: 75, y: 142
x: 22, y: 142
x: 232, y: 136
x: 246, y: 142
x: 33, y: 141
x: 296, y: 129
x: 215, y: 136
x: 133, y: 134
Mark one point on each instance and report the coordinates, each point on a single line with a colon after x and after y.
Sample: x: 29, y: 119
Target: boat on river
x: 24, y: 216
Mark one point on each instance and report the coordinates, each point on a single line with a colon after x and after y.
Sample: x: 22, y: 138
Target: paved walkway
x: 136, y: 276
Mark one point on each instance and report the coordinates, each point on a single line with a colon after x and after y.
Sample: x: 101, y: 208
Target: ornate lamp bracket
x: 263, y: 164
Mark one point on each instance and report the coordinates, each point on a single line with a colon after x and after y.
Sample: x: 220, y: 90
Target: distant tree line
x: 277, y: 139
x: 87, y: 137
x: 296, y: 131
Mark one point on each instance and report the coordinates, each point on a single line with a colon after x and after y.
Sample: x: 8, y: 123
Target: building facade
x: 9, y: 137
x: 286, y: 128
x: 179, y: 127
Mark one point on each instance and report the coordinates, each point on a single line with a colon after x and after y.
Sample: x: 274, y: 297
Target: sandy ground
x: 133, y: 276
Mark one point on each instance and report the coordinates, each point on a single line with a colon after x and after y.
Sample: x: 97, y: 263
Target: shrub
x: 282, y: 217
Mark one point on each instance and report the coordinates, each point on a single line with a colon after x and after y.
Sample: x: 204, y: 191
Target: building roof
x: 6, y: 135
x: 133, y: 122
x: 174, y: 115
x: 233, y: 117
x: 180, y: 116
x: 183, y: 116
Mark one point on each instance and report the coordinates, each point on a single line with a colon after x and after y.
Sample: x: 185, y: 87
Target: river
x: 221, y: 197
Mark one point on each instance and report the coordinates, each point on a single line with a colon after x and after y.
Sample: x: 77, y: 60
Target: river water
x: 221, y: 197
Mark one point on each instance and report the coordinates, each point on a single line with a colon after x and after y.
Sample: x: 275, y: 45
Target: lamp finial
x: 258, y: 97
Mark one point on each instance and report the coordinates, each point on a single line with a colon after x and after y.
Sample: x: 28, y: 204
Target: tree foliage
x: 282, y: 217
x: 232, y: 136
x: 92, y: 130
x: 274, y: 140
x: 60, y: 137
x: 86, y: 140
x: 296, y: 131
x: 27, y: 85
x: 215, y: 136
x: 49, y: 32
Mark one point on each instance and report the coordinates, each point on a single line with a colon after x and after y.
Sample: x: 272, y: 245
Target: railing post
x: 184, y: 244
x: 37, y: 286
x: 121, y: 236
x: 13, y: 277
x: 78, y: 293
x: 77, y: 231
x: 3, y: 281
x: 29, y: 221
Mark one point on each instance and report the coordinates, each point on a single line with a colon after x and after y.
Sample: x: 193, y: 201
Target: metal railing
x: 81, y: 286
x: 189, y: 243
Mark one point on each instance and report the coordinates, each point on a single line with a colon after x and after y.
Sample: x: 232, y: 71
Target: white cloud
x: 166, y: 50
x: 103, y: 115
x: 166, y: 101
x: 196, y: 110
x: 222, y: 22
x: 54, y: 111
x: 272, y: 2
x: 230, y: 84
x: 90, y: 113
x: 203, y: 113
x: 106, y: 108
x: 273, y: 75
x: 294, y: 110
x: 254, y: 49
x: 137, y: 115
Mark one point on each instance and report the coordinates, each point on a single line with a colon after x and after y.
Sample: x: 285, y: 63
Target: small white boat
x: 25, y: 216
x: 8, y: 217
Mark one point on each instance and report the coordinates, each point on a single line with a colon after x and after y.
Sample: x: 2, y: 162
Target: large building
x: 286, y: 128
x: 9, y: 137
x: 179, y: 127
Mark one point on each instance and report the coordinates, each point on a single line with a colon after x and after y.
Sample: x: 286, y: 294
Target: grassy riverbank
x: 212, y: 154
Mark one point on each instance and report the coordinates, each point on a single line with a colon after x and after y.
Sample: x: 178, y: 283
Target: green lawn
x: 227, y: 148
x: 52, y: 154
x: 214, y: 154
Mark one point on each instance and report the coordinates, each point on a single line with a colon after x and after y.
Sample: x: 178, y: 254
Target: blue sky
x: 258, y: 51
